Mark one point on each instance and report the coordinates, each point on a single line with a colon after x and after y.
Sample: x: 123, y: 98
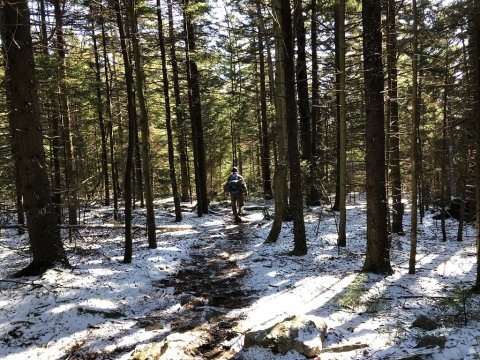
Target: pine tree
x: 24, y: 120
x: 378, y: 247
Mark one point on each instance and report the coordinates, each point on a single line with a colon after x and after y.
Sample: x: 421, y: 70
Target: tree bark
x: 302, y: 82
x: 55, y: 124
x: 103, y: 133
x: 304, y: 102
x: 314, y: 193
x: 114, y: 173
x: 131, y: 136
x: 70, y: 172
x: 179, y: 113
x: 476, y: 97
x: 137, y: 170
x: 336, y: 204
x: 296, y: 195
x: 265, y: 140
x: 421, y: 192
x: 145, y: 126
x: 271, y: 96
x: 280, y: 185
x: 378, y: 246
x: 461, y: 217
x: 444, y: 147
x: 342, y: 124
x: 19, y: 198
x: 392, y: 106
x: 195, y: 107
x: 24, y: 121
x: 414, y: 150
x: 168, y: 116
x: 234, y: 89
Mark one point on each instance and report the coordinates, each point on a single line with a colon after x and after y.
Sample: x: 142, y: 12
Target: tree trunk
x: 179, y: 113
x: 461, y: 217
x: 101, y: 120
x: 394, y: 135
x: 414, y: 151
x: 336, y: 204
x: 314, y: 193
x: 302, y: 82
x: 19, y: 198
x: 303, y: 100
x: 271, y: 95
x: 110, y: 123
x: 280, y: 186
x: 195, y: 107
x: 137, y: 171
x: 342, y: 124
x: 444, y: 148
x: 131, y: 136
x: 145, y: 126
x: 168, y: 116
x: 421, y: 192
x: 265, y: 137
x: 476, y: 97
x: 378, y: 246
x: 234, y: 133
x: 57, y: 170
x: 24, y: 121
x: 70, y: 173
x: 296, y: 195
x: 55, y: 121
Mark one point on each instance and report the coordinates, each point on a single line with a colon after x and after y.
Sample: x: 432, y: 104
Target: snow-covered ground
x: 105, y: 309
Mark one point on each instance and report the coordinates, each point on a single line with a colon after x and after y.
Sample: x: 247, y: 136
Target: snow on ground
x: 103, y: 308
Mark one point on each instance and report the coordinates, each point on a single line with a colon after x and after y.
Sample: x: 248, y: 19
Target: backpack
x: 235, y: 185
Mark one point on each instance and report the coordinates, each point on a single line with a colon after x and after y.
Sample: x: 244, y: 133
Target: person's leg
x: 235, y: 199
x: 241, y: 201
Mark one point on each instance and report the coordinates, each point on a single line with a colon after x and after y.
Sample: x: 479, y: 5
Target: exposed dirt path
x: 211, y: 290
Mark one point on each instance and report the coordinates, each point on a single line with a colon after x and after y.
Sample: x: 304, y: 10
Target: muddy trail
x: 211, y: 292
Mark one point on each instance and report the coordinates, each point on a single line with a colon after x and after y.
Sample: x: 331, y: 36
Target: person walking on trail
x: 237, y: 189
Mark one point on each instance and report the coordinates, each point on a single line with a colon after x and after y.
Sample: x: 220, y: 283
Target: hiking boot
x: 238, y: 220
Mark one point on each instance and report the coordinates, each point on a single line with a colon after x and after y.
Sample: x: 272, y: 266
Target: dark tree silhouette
x: 131, y: 135
x: 168, y: 115
x: 378, y: 246
x: 24, y: 120
x: 296, y: 198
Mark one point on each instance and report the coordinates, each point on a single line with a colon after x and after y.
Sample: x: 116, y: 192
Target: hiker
x: 237, y: 189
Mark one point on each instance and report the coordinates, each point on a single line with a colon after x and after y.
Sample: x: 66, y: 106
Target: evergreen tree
x: 378, y: 246
x: 476, y: 97
x: 195, y: 107
x: 26, y: 131
x: 296, y: 198
x: 144, y: 123
x: 392, y: 117
x: 168, y: 116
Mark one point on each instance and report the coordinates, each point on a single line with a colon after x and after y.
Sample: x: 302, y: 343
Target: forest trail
x: 210, y: 287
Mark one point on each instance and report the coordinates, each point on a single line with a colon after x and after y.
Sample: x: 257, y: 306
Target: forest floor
x: 211, y: 280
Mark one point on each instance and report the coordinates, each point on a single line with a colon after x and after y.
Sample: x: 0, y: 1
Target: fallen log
x: 255, y: 207
x: 343, y: 348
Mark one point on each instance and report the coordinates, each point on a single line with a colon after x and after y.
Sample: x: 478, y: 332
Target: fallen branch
x: 343, y: 348
x: 109, y: 314
x: 255, y: 207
